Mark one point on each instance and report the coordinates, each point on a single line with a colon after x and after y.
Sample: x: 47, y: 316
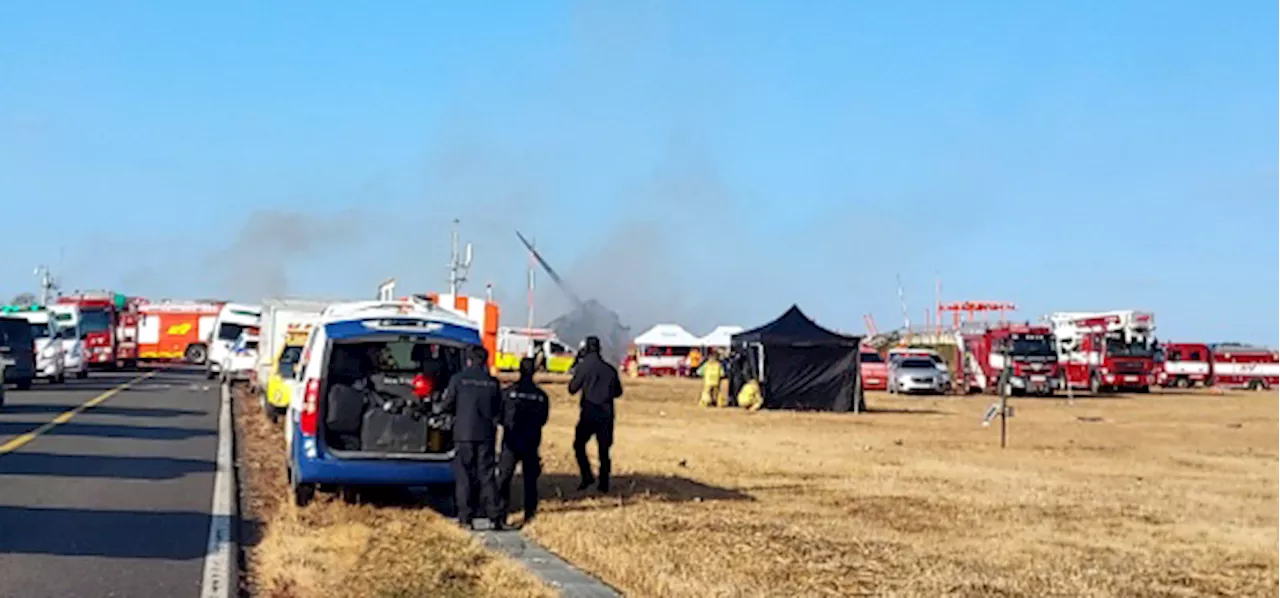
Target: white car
x: 234, y: 320
x: 74, y: 358
x: 48, y: 347
x: 239, y: 362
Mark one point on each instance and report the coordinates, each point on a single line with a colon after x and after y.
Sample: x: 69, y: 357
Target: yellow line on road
x: 66, y: 416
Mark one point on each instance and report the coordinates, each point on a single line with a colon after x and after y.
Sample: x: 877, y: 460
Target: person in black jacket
x: 599, y: 383
x: 525, y: 408
x: 475, y: 400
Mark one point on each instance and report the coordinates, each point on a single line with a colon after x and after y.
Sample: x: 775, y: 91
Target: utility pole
x: 459, y: 263
x: 48, y: 285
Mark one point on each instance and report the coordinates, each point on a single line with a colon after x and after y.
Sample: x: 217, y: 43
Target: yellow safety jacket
x: 749, y: 396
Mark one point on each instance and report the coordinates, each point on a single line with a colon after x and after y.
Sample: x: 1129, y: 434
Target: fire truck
x: 1237, y: 365
x: 108, y: 323
x: 176, y: 331
x: 1184, y: 365
x: 1106, y: 351
x: 1027, y: 350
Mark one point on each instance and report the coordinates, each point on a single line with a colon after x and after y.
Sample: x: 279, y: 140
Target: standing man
x: 712, y: 372
x: 524, y: 412
x: 475, y: 399
x: 598, y: 381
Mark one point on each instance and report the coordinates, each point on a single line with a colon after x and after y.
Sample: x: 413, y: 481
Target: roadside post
x: 1001, y: 407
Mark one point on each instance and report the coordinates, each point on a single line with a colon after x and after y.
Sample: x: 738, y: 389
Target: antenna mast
x: 48, y: 285
x: 459, y: 263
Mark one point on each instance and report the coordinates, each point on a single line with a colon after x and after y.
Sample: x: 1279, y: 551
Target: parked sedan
x: 916, y: 374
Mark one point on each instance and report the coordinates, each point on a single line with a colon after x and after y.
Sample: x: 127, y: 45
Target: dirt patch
x: 335, y: 549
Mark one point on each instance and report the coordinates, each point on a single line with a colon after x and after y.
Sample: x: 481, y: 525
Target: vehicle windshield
x: 916, y: 363
x: 40, y: 330
x: 871, y: 358
x: 289, y: 360
x: 1117, y: 347
x: 14, y: 332
x: 1032, y: 345
x: 230, y: 332
x: 251, y: 345
x: 95, y: 320
x: 69, y: 333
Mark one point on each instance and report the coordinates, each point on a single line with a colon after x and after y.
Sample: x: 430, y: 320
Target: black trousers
x: 473, y: 469
x: 602, y: 430
x: 530, y: 467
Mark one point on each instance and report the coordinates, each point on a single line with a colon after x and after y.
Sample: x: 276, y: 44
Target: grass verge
x: 338, y: 550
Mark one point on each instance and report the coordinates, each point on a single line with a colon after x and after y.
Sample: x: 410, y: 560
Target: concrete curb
x: 221, y: 570
x: 554, y: 571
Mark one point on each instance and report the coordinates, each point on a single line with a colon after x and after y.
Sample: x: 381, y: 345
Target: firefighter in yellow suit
x: 712, y: 373
x: 749, y: 396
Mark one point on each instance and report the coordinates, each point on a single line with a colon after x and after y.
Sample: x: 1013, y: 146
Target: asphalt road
x: 115, y: 500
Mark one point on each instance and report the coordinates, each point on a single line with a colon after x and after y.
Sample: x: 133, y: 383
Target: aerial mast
x: 48, y: 285
x: 459, y: 263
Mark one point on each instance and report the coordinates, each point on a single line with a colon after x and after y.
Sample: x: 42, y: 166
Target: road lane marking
x: 216, y: 581
x: 64, y: 417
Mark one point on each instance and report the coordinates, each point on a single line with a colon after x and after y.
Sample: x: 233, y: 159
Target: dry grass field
x: 332, y: 549
x: 1155, y: 495
x: 1162, y: 495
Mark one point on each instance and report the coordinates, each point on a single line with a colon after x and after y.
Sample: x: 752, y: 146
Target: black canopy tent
x: 800, y: 365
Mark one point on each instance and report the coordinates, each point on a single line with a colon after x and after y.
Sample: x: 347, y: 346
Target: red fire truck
x: 1184, y: 365
x: 1255, y: 368
x: 1030, y: 352
x: 108, y: 322
x: 1106, y: 351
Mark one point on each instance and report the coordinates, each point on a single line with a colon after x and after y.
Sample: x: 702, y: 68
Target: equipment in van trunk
x: 366, y: 414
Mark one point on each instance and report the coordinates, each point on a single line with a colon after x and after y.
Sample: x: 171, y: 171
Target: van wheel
x: 24, y: 384
x: 82, y: 374
x: 62, y: 377
x: 302, y: 493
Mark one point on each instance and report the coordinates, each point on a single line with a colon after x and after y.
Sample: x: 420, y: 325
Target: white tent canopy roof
x: 721, y: 336
x: 667, y: 335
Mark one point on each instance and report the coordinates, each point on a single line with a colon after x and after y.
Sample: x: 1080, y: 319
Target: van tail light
x: 310, y: 416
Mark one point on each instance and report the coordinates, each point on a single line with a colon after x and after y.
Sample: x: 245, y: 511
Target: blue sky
x: 701, y: 162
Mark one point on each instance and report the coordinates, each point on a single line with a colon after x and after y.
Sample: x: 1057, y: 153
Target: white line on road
x: 217, y: 582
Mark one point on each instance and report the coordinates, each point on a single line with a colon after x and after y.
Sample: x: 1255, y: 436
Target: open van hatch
x: 381, y: 398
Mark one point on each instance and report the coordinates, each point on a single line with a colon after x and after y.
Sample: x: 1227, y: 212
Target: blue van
x: 362, y: 409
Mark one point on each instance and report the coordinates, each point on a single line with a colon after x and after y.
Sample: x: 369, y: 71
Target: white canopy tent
x: 667, y: 335
x: 721, y: 337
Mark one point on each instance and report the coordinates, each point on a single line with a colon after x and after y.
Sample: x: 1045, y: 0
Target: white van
x: 75, y: 356
x: 233, y: 320
x: 50, y: 358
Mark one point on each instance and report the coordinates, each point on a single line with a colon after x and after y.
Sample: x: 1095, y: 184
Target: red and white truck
x: 1184, y: 365
x: 1236, y: 365
x: 177, y: 330
x: 1106, y: 351
x: 1028, y: 349
x: 108, y: 323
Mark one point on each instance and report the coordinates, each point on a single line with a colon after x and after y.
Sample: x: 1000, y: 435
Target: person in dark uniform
x: 475, y: 400
x: 599, y: 383
x: 525, y: 408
